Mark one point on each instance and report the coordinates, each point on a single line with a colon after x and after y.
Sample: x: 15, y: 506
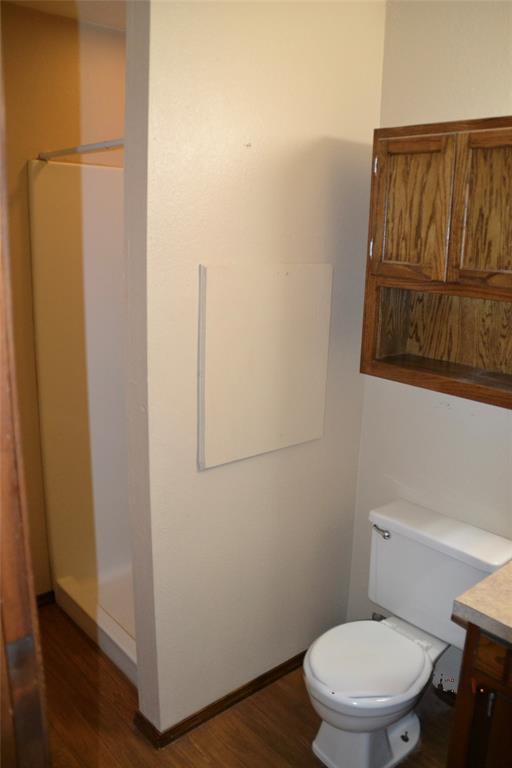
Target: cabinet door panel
x: 499, y: 753
x: 481, y: 245
x: 412, y: 207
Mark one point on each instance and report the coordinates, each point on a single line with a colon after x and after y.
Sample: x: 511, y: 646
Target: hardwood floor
x: 91, y: 707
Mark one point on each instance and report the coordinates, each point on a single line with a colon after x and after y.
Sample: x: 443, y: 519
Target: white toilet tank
x: 421, y: 561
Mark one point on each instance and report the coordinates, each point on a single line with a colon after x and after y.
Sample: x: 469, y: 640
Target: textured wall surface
x: 442, y: 61
x: 259, y: 152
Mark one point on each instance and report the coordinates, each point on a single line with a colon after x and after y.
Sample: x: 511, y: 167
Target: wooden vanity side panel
x: 465, y: 706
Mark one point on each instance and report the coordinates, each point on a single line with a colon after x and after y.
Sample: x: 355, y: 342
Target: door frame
x: 23, y: 727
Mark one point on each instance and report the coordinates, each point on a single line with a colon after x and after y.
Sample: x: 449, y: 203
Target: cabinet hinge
x: 371, y: 248
x: 375, y: 164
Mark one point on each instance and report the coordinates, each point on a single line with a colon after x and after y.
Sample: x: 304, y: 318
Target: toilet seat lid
x: 364, y: 659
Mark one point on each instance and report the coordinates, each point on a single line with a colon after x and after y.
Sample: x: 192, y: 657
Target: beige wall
x: 61, y: 88
x: 260, y: 121
x: 442, y: 61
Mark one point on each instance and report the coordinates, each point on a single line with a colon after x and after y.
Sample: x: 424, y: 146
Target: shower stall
x: 76, y: 223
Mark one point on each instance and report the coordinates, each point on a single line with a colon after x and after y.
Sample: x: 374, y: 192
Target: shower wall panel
x: 77, y: 253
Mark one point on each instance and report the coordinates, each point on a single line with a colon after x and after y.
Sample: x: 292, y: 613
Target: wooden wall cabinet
x: 438, y: 304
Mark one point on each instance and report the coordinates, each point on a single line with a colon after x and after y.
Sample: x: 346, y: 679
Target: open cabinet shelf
x: 456, y: 344
x: 465, y: 374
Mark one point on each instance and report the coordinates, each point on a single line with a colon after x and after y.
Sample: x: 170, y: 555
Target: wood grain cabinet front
x: 438, y: 301
x: 482, y: 730
x: 481, y: 238
x: 413, y: 205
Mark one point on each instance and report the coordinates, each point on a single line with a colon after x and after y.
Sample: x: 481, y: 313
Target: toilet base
x: 383, y: 748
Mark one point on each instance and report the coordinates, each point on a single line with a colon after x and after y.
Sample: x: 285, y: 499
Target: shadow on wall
x: 331, y: 186
x: 331, y: 183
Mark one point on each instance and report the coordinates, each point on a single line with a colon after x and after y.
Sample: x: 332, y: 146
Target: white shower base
x: 105, y: 612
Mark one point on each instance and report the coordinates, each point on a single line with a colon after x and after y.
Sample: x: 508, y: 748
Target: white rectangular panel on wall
x: 263, y: 348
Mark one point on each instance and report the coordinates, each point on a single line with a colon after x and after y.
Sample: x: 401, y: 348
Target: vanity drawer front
x: 494, y: 659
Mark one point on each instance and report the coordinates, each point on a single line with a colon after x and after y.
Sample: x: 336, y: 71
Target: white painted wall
x: 442, y: 61
x: 259, y: 130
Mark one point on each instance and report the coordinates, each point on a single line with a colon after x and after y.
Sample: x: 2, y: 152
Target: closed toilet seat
x: 366, y: 668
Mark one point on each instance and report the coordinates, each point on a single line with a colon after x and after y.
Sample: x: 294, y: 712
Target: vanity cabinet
x: 438, y: 301
x: 482, y: 733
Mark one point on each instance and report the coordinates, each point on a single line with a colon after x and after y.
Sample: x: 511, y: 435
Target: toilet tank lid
x: 471, y: 545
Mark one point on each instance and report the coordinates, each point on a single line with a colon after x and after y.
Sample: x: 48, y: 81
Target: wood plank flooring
x: 91, y: 707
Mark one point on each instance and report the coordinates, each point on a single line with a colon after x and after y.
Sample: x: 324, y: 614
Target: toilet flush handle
x: 385, y: 534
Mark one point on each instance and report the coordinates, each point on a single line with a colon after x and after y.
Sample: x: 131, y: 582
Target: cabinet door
x: 499, y: 754
x: 490, y: 743
x: 412, y: 206
x: 481, y: 241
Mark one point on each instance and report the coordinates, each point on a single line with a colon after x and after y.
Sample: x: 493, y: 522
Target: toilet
x: 365, y: 678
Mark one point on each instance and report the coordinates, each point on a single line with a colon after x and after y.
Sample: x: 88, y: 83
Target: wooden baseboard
x: 160, y: 739
x: 45, y: 598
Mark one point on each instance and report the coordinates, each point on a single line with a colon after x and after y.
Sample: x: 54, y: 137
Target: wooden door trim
x: 19, y: 625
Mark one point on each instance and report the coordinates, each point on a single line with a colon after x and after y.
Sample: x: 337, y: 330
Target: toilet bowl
x: 364, y: 679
